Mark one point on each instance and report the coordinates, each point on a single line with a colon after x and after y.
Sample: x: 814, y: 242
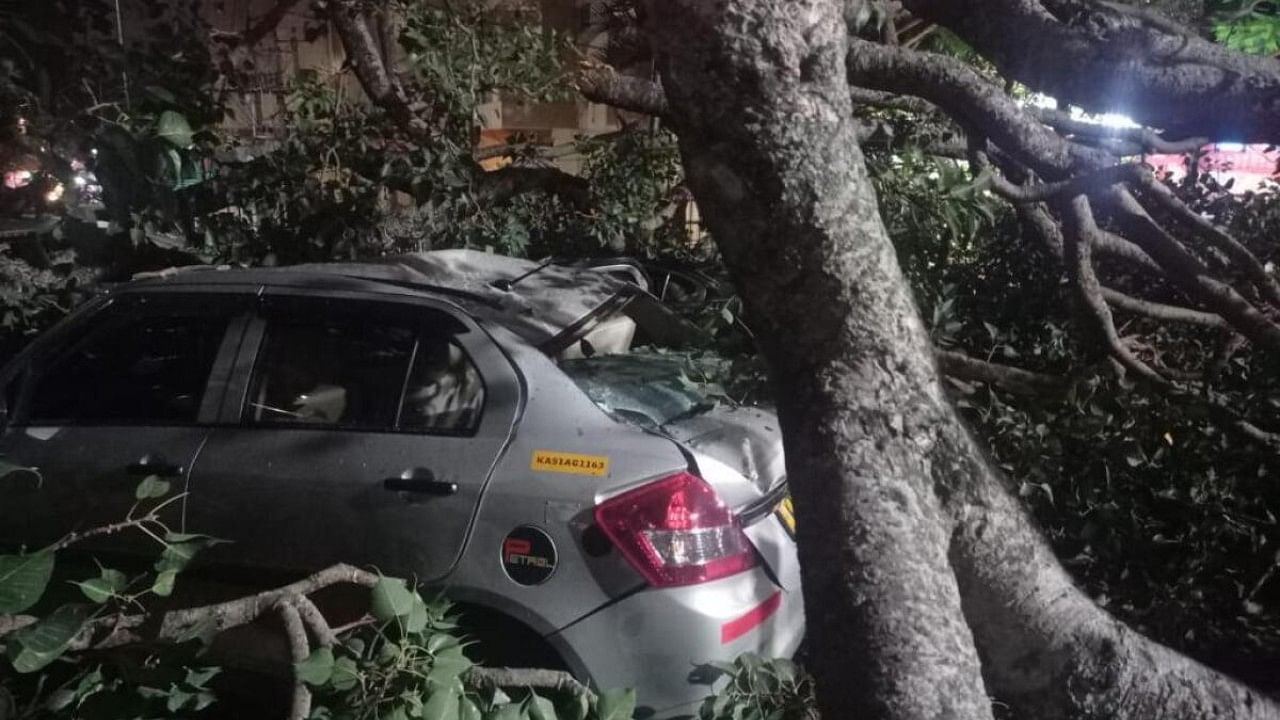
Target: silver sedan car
x: 510, y: 433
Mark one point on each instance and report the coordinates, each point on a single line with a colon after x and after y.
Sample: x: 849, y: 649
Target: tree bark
x: 927, y: 587
x: 760, y: 101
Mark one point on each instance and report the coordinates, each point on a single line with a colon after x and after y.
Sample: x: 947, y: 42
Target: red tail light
x: 676, y: 531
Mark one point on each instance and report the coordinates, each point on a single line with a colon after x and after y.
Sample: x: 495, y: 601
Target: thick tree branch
x: 1040, y: 192
x: 296, y: 634
x: 974, y: 102
x: 1253, y: 268
x: 379, y: 83
x: 1094, y: 56
x: 890, y: 101
x: 1190, y: 275
x: 556, y: 681
x: 1045, y: 226
x: 1016, y: 380
x: 1143, y: 139
x: 1161, y: 311
x: 603, y: 84
x: 1080, y: 234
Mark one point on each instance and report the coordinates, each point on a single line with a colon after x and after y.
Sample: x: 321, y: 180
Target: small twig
x: 72, y: 538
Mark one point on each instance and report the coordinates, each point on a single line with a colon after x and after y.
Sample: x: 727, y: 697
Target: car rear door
x: 357, y: 430
x: 126, y: 394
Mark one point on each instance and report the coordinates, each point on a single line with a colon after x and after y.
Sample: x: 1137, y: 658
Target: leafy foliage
x: 161, y: 687
x: 1246, y: 25
x: 761, y: 689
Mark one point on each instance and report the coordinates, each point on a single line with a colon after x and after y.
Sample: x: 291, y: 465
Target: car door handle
x: 150, y: 464
x: 419, y: 480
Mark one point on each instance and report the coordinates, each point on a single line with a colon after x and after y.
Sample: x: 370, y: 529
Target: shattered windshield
x: 648, y: 386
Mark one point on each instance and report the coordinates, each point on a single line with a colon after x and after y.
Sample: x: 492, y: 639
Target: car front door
x: 124, y: 396
x: 359, y: 430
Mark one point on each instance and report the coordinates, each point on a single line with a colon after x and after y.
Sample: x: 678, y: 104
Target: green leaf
x: 35, y: 646
x: 177, y: 555
x: 317, y: 668
x: 440, y: 641
x: 448, y: 665
x: 467, y: 710
x: 416, y: 622
x: 541, y: 708
x: 164, y: 582
x: 346, y: 674
x: 616, y: 704
x: 23, y: 579
x: 391, y: 599
x: 178, y: 698
x: 103, y: 587
x: 174, y: 129
x: 442, y: 705
x: 151, y: 487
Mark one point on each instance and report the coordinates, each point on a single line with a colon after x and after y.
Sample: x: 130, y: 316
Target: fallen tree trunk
x: 927, y: 587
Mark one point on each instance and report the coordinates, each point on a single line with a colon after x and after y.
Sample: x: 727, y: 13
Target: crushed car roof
x: 535, y: 300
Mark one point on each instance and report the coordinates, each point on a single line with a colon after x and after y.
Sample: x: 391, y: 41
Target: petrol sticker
x: 572, y: 463
x: 528, y: 555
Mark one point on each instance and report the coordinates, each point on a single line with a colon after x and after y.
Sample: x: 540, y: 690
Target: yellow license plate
x: 787, y: 514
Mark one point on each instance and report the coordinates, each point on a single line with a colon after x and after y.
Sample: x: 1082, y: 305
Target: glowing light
x: 79, y: 181
x: 55, y: 194
x: 15, y: 179
x: 1231, y: 147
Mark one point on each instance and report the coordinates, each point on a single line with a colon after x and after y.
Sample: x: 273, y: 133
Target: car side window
x: 141, y: 368
x: 342, y: 370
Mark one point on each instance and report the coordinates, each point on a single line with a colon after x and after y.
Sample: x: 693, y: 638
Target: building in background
x: 297, y: 44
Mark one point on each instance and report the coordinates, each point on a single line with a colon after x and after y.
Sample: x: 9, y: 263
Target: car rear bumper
x: 660, y: 641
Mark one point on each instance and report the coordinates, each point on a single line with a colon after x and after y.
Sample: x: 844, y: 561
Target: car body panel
x: 321, y: 483
x: 89, y: 471
x: 749, y: 439
x: 661, y: 641
x: 557, y: 418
